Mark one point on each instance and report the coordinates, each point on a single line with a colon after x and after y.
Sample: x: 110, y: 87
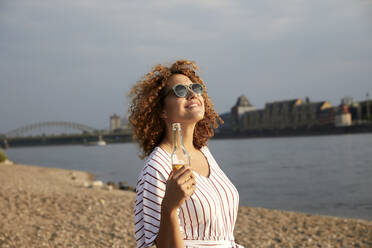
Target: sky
x: 76, y: 60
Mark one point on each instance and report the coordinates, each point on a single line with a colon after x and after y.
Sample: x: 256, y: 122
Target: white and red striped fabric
x: 207, y: 217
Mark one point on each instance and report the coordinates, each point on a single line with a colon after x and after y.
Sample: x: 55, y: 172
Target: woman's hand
x: 180, y: 185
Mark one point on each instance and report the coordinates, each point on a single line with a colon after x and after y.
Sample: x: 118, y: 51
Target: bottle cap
x: 176, y: 126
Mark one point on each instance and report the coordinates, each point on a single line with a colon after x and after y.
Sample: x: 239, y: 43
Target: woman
x: 197, y: 205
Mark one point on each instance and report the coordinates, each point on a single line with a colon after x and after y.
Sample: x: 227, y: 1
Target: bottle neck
x: 177, y: 139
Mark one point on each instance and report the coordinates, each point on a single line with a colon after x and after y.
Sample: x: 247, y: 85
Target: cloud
x: 266, y: 49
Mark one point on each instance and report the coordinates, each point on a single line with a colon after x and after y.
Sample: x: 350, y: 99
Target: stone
x: 109, y: 187
x: 97, y: 184
x: 123, y: 186
x: 111, y: 183
x: 73, y: 176
x: 8, y: 162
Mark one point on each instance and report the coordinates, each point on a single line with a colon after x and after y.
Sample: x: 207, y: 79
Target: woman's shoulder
x: 158, y: 161
x: 205, y: 148
x: 206, y: 151
x: 159, y: 154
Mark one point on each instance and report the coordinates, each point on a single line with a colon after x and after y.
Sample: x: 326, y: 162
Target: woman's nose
x: 191, y: 94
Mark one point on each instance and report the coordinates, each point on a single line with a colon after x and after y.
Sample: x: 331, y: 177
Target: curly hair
x: 147, y: 101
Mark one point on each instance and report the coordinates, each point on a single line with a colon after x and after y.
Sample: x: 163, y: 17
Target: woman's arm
x: 180, y: 185
x: 169, y: 232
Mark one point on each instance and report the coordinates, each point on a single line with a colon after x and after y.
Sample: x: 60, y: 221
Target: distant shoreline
x: 300, y: 132
x: 51, y: 207
x: 113, y: 138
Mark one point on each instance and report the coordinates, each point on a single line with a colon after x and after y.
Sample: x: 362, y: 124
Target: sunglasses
x: 181, y: 90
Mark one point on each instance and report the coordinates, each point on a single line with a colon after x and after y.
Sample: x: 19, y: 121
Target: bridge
x: 87, y: 135
x: 71, y: 125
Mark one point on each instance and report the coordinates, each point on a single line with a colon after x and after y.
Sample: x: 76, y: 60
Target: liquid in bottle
x: 180, y: 157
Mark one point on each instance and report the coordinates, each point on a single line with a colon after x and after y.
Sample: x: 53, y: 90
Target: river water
x: 326, y: 175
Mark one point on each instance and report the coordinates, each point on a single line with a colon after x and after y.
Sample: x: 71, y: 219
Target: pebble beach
x: 43, y: 207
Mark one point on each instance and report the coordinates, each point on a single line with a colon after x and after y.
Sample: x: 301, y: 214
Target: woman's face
x: 179, y: 109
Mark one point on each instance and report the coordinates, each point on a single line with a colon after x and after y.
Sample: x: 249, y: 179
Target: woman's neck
x: 187, y: 137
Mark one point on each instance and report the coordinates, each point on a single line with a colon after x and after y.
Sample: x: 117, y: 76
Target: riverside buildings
x: 119, y: 124
x: 293, y: 114
x: 115, y: 122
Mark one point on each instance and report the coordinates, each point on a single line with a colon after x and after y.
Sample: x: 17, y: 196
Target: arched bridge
x: 73, y: 125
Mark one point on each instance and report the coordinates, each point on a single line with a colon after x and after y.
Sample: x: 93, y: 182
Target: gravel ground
x: 43, y: 207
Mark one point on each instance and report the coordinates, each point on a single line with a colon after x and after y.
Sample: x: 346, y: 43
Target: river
x: 326, y: 175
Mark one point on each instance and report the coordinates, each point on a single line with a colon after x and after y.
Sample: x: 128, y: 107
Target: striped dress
x: 206, y: 218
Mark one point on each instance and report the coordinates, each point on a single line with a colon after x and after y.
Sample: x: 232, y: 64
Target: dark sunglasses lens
x: 197, y: 88
x: 180, y: 91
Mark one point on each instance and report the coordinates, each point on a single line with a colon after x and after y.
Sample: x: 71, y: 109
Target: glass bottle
x: 180, y: 156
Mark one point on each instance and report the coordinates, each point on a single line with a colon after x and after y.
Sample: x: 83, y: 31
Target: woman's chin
x: 191, y: 117
x: 196, y: 116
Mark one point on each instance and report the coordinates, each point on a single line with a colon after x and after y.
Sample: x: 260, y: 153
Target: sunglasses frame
x: 188, y: 87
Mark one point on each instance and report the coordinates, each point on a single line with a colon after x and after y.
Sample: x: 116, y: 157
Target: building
x: 366, y: 110
x: 241, y: 107
x: 343, y: 117
x: 347, y: 100
x: 115, y: 122
x: 287, y: 114
x: 310, y: 114
x: 282, y: 114
x: 354, y: 108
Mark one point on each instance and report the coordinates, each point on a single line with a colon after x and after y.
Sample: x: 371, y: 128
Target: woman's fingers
x: 189, y: 187
x: 190, y: 183
x: 184, y: 176
x: 180, y: 185
x: 185, y: 179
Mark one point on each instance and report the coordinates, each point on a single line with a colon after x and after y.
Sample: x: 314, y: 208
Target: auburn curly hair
x: 147, y: 101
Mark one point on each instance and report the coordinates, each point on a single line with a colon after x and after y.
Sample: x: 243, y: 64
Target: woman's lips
x: 193, y: 105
